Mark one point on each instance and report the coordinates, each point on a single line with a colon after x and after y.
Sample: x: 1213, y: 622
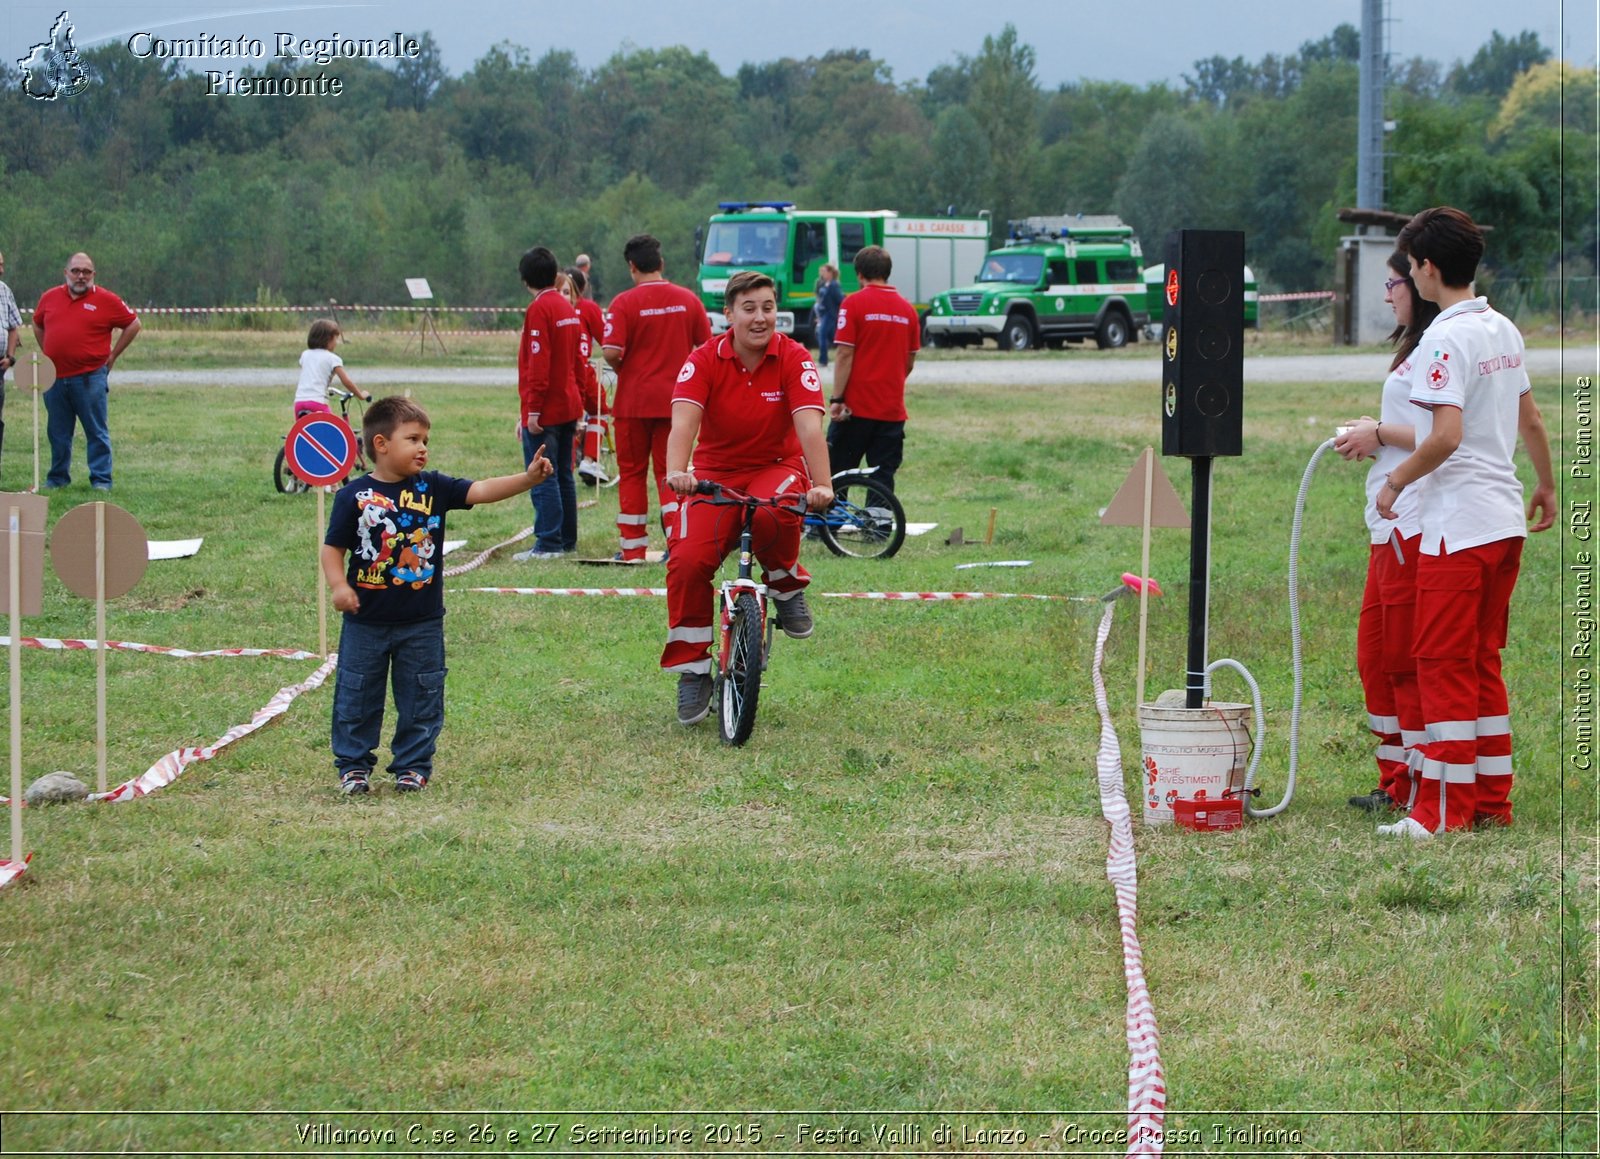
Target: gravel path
x: 1072, y: 368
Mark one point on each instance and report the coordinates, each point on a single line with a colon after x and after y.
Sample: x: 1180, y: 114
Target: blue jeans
x: 826, y: 328
x: 411, y: 656
x: 78, y: 398
x: 555, y: 501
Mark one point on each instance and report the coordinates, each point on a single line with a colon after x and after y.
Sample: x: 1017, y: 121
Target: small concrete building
x: 1360, y: 315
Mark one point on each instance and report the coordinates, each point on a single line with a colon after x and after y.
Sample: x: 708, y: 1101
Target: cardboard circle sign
x: 320, y: 449
x: 72, y: 551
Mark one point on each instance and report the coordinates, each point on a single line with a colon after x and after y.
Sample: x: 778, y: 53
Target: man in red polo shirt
x: 749, y: 406
x: 549, y: 403
x: 72, y: 325
x: 650, y: 331
x: 878, y: 339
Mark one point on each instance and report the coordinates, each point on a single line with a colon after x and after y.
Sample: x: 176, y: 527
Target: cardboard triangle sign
x: 1127, y: 507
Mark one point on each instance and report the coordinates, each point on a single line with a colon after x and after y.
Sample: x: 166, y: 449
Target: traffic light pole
x: 1202, y: 388
x: 1199, y: 574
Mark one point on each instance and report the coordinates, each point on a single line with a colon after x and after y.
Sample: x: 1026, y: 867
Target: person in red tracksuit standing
x: 595, y: 405
x: 1474, y: 398
x: 651, y: 329
x: 748, y: 405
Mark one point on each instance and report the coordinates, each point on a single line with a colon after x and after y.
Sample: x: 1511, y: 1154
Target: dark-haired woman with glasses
x: 1384, y: 657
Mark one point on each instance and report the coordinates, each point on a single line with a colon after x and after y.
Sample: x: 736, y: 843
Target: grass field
x: 888, y: 908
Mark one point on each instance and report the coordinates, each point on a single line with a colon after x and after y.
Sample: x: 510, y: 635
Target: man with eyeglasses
x: 11, y: 323
x: 73, y: 324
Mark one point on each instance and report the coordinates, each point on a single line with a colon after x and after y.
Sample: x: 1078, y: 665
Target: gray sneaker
x: 694, y: 697
x: 794, y: 617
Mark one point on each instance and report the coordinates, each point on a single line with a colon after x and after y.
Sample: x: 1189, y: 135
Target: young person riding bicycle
x: 319, y: 366
x: 748, y: 404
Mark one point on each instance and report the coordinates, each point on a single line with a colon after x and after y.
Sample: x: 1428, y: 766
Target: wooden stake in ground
x: 989, y: 538
x: 43, y: 370
x: 100, y: 652
x: 14, y: 584
x: 1145, y: 500
x: 35, y: 393
x: 322, y: 587
x: 100, y: 552
x: 24, y: 584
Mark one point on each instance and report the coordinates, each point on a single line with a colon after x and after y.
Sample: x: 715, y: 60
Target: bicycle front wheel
x: 866, y: 520
x: 741, y: 683
x: 287, y: 482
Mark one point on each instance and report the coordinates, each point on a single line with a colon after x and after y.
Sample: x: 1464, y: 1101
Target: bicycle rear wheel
x: 741, y: 682
x: 287, y: 482
x: 866, y: 520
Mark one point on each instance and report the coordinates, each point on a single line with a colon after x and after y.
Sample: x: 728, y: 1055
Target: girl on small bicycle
x: 749, y: 405
x: 318, y: 366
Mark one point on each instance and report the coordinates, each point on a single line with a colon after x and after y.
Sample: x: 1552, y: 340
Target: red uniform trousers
x: 641, y: 445
x: 1386, y: 663
x: 1463, y: 607
x: 701, y: 537
x: 596, y: 418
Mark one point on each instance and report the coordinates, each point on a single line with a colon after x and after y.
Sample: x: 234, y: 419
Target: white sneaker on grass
x: 1407, y: 827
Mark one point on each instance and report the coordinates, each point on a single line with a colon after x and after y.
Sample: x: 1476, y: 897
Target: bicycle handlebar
x: 725, y: 496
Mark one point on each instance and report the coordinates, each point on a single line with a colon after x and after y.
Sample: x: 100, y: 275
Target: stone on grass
x: 54, y: 788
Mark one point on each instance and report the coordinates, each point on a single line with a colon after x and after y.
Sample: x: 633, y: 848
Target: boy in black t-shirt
x: 391, y: 522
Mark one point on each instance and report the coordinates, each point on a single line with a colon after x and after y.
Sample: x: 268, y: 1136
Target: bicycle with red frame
x: 744, y: 636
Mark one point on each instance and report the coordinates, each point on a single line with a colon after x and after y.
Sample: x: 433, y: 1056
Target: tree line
x: 188, y: 199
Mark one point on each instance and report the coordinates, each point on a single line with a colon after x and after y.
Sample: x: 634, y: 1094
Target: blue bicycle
x: 866, y: 521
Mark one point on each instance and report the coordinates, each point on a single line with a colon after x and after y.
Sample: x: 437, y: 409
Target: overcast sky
x: 1140, y: 42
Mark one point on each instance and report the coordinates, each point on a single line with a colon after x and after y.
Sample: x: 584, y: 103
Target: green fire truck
x: 930, y: 254
x: 1056, y: 280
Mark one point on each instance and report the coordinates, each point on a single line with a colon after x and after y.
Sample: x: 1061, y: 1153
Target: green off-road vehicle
x: 1056, y: 280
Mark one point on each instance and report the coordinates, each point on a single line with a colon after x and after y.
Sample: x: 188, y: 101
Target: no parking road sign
x: 320, y: 449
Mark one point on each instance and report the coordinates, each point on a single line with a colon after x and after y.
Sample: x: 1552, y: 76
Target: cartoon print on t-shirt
x: 414, y: 565
x: 373, y: 513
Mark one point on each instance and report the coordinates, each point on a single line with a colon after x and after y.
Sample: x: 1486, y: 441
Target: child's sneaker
x: 410, y: 782
x: 354, y: 781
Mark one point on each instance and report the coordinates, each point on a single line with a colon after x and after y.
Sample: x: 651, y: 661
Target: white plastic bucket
x: 1192, y: 754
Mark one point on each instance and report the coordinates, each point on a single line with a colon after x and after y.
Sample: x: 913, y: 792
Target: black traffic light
x: 1202, y: 358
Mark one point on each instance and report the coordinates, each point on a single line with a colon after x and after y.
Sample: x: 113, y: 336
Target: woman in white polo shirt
x: 1471, y: 380
x: 1384, y: 659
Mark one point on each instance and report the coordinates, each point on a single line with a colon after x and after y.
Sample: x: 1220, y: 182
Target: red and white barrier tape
x: 949, y: 596
x: 571, y: 591
x: 11, y: 870
x: 341, y: 307
x: 1147, y: 1086
x: 927, y: 596
x: 51, y: 644
x: 168, y: 768
x: 483, y: 556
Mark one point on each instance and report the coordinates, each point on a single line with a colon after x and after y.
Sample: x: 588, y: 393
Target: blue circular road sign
x: 321, y: 449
